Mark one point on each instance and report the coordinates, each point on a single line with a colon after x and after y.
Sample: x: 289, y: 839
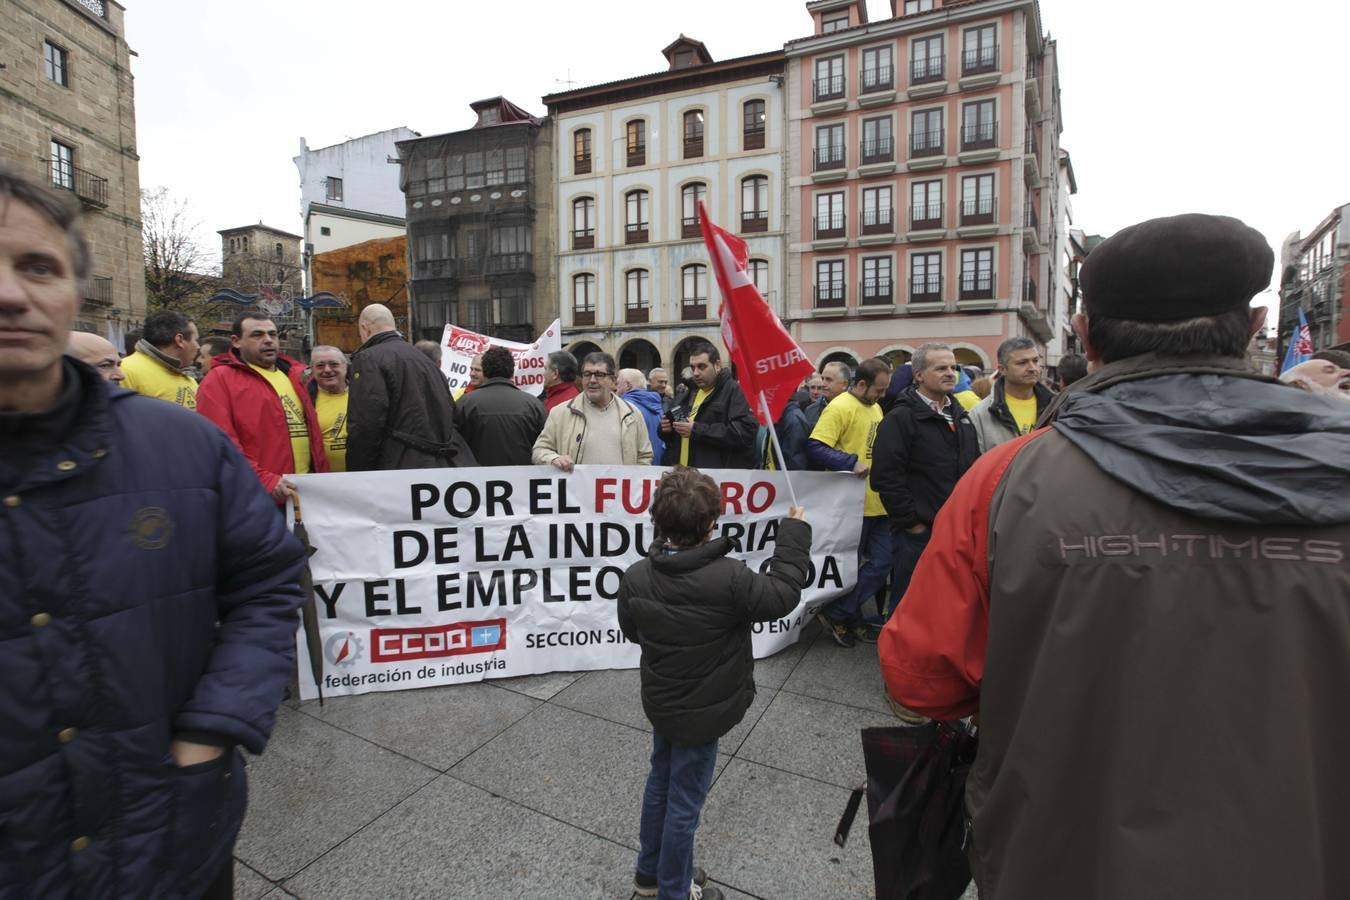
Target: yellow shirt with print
x: 332, y: 413
x: 152, y: 378
x: 703, y: 394
x: 295, y: 415
x: 849, y: 425
x: 1023, y: 412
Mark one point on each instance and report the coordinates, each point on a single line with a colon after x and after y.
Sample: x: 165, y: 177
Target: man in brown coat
x: 1148, y: 604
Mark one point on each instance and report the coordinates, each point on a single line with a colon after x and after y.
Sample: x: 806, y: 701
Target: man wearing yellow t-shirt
x: 328, y: 390
x: 254, y: 394
x: 1018, y: 397
x: 163, y: 359
x: 842, y: 442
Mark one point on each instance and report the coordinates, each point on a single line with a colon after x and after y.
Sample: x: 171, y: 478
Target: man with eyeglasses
x: 95, y: 351
x: 598, y: 427
x: 328, y: 389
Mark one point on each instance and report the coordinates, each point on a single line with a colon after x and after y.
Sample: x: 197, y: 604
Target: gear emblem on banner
x: 343, y: 649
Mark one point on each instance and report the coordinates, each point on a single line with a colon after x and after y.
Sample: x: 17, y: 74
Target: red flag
x: 768, y: 361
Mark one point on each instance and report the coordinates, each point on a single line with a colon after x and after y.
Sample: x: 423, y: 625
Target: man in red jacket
x: 255, y: 395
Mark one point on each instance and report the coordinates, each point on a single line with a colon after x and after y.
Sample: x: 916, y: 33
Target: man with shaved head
x: 399, y: 414
x: 95, y: 351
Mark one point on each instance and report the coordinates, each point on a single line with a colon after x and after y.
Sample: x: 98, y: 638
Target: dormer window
x: 490, y: 116
x: 837, y: 22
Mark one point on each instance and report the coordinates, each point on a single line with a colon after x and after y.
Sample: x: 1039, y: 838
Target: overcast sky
x: 1169, y: 105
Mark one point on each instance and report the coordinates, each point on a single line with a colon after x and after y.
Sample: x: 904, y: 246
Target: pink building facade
x: 923, y: 180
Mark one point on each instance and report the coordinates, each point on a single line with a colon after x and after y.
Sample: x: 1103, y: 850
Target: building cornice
x: 924, y: 21
x: 667, y: 82
x: 359, y: 215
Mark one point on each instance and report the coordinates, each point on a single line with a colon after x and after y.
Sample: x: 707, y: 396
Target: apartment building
x: 634, y: 157
x: 1315, y: 272
x: 925, y: 201
x: 68, y: 117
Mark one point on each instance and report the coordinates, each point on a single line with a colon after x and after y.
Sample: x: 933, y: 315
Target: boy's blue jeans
x: 676, y: 788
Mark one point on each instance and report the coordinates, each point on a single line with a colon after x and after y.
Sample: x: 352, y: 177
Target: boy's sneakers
x: 867, y: 632
x: 645, y: 885
x: 840, y: 634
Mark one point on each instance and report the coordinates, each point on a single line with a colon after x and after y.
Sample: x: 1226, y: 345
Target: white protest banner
x: 439, y: 576
x: 459, y: 346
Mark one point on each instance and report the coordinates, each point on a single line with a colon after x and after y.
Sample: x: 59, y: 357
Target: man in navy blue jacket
x: 148, y: 592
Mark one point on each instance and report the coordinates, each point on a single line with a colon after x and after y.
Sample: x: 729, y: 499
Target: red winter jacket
x: 243, y: 404
x: 559, y: 394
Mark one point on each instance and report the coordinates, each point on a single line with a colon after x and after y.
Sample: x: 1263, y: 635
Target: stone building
x: 67, y: 116
x: 266, y: 262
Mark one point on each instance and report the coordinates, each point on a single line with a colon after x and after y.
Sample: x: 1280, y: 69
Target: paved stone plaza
x: 530, y: 788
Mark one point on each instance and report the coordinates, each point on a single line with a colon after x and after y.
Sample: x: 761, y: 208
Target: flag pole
x: 773, y: 436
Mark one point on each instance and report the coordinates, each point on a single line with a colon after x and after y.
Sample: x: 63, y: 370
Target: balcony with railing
x: 581, y: 164
x: 878, y: 150
x: 1030, y: 294
x: 926, y: 70
x: 878, y: 78
x: 979, y: 210
x: 979, y: 60
x: 828, y: 158
x: 754, y: 221
x: 979, y: 136
x: 1032, y: 221
x: 878, y: 221
x: 977, y: 286
x: 925, y: 143
x: 98, y: 290
x: 583, y: 316
x: 925, y: 216
x: 510, y: 263
x: 752, y: 138
x: 689, y: 227
x: 583, y: 238
x: 925, y: 289
x: 827, y: 227
x: 637, y: 155
x: 1031, y: 161
x: 635, y: 233
x: 436, y: 268
x: 693, y: 147
x: 693, y: 309
x: 829, y: 295
x: 636, y: 315
x: 831, y: 87
x: 877, y: 292
x: 90, y: 188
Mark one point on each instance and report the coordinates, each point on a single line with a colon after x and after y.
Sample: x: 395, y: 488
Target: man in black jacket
x: 690, y: 606
x: 498, y: 419
x: 714, y: 427
x: 400, y: 416
x: 923, y: 447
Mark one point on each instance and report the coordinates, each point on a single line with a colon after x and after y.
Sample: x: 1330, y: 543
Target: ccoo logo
x: 342, y: 649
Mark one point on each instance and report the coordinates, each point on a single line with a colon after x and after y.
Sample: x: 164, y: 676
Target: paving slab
x: 248, y: 884
x: 815, y: 738
x: 436, y: 726
x: 451, y: 840
x: 586, y: 771
x: 772, y: 671
x: 769, y: 833
x: 848, y: 675
x: 313, y: 788
x: 540, y: 687
x: 613, y: 694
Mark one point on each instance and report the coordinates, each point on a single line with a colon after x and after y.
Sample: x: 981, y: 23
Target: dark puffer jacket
x: 500, y: 422
x: 918, y: 457
x: 148, y: 590
x: 724, y: 430
x: 399, y: 415
x: 691, y: 613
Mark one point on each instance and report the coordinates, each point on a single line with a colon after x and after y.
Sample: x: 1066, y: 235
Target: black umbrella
x: 309, y: 613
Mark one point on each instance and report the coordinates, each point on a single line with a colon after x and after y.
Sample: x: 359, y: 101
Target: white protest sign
x: 439, y: 576
x: 459, y: 346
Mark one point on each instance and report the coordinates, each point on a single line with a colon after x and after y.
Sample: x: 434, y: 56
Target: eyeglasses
x: 587, y: 376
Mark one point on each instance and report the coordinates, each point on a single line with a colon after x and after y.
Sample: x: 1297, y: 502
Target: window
x: 279, y: 251
x: 829, y: 83
x: 693, y: 134
x: 927, y: 60
x: 834, y: 23
x: 511, y: 246
x: 876, y: 284
x: 878, y: 74
x: 925, y: 278
x: 830, y: 147
x: 433, y: 254
x: 925, y: 133
x: 830, y: 284
x: 333, y: 188
x: 635, y: 217
x: 979, y: 51
x: 325, y: 231
x: 455, y: 178
x: 878, y: 144
x: 583, y: 223
x: 917, y: 6
x: 581, y: 151
x: 758, y: 270
x: 977, y: 200
x: 830, y: 215
x: 583, y: 299
x: 753, y: 133
x: 694, y: 294
x: 475, y: 173
x: 243, y: 243
x: 690, y: 195
x: 434, y: 308
x: 512, y: 312
x: 637, y: 143
x: 977, y: 274
x: 979, y: 130
x: 490, y: 116
x: 54, y: 63
x: 755, y: 203
x: 515, y: 165
x: 63, y: 165
x: 925, y: 205
x: 636, y: 300
x: 877, y: 211
x: 475, y: 313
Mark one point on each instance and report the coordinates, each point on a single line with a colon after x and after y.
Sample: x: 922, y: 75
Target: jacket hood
x: 1224, y: 445
x: 648, y: 400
